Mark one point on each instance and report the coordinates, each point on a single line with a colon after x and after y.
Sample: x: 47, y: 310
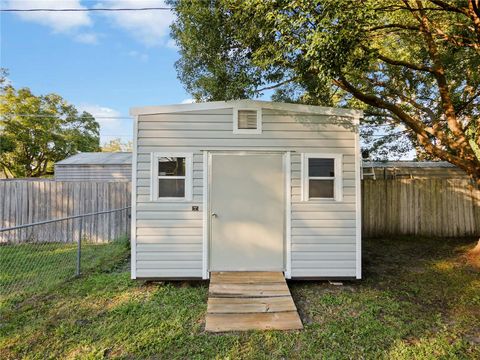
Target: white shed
x: 246, y: 186
x: 95, y: 166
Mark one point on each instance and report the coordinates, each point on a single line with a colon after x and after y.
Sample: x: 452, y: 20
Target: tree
x: 413, y: 63
x: 116, y: 145
x: 37, y: 131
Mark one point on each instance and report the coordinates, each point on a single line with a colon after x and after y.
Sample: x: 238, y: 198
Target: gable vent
x: 247, y: 119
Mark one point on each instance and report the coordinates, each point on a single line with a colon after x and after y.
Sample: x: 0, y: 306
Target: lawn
x: 35, y: 268
x: 419, y: 299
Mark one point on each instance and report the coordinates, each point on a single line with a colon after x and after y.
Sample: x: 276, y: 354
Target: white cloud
x: 188, y: 101
x: 149, y: 27
x: 106, y: 117
x: 87, y: 38
x: 138, y: 55
x: 172, y: 44
x: 59, y: 22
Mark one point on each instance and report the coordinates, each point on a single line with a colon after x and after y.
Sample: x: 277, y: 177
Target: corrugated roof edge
x: 213, y: 105
x: 406, y: 164
x: 92, y: 158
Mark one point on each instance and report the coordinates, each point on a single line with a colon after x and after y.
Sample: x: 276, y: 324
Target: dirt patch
x: 473, y: 257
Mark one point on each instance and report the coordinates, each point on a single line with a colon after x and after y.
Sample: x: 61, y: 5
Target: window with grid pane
x: 322, y: 177
x: 171, y: 177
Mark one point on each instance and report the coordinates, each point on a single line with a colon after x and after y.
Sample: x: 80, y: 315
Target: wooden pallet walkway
x: 240, y: 301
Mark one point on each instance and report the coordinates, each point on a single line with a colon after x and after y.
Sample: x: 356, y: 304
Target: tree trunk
x: 476, y: 249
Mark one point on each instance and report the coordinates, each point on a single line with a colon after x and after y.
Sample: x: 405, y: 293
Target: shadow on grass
x: 417, y: 300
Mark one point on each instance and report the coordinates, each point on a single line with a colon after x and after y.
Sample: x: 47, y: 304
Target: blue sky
x: 102, y: 62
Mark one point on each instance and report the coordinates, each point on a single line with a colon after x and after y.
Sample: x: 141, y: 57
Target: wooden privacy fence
x: 31, y: 201
x: 427, y: 207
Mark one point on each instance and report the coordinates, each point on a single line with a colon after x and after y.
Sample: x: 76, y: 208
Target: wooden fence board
x: 28, y: 201
x: 424, y: 207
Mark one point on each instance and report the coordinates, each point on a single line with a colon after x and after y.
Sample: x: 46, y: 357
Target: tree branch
x: 439, y: 74
x: 394, y: 26
x: 405, y: 64
x: 417, y: 126
x: 276, y: 85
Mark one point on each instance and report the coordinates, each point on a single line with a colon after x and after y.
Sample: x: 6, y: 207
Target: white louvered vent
x: 247, y: 119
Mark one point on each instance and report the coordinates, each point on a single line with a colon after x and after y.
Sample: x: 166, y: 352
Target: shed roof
x: 212, y: 105
x: 98, y: 158
x: 408, y: 164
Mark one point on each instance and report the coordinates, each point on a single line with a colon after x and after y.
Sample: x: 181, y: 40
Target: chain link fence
x: 31, y: 263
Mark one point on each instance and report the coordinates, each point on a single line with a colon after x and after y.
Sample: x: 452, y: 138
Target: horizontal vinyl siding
x: 93, y: 172
x: 169, y: 234
x: 323, y: 233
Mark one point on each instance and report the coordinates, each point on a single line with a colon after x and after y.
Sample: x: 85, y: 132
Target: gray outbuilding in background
x: 95, y: 166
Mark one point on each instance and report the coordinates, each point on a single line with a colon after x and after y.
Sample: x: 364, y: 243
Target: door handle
x: 214, y: 215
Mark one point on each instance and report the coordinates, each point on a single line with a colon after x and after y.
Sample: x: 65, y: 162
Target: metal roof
x: 98, y: 158
x: 213, y: 105
x: 408, y: 164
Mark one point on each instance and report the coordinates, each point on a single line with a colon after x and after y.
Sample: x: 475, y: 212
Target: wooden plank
x: 250, y: 305
x: 248, y: 290
x: 247, y: 277
x: 258, y: 321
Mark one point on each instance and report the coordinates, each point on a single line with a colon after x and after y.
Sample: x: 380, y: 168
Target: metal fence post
x: 79, y: 246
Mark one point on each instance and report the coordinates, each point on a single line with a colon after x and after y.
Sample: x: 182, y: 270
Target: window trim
x: 337, y: 179
x: 154, y: 177
x: 258, y: 130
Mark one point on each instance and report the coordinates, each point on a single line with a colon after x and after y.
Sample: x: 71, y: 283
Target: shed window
x: 247, y: 121
x: 322, y: 177
x: 171, y: 178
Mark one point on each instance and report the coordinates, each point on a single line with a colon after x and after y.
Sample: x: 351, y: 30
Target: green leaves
x: 404, y: 62
x: 37, y: 131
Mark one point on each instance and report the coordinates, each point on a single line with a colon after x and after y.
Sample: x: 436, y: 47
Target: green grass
x: 419, y: 299
x: 34, y: 269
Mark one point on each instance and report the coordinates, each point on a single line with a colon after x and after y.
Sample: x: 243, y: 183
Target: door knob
x: 214, y: 215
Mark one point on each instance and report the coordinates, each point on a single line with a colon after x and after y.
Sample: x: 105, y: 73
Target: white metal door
x: 247, y: 212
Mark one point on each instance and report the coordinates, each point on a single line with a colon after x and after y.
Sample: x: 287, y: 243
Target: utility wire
x: 80, y: 115
x: 188, y: 112
x: 87, y: 9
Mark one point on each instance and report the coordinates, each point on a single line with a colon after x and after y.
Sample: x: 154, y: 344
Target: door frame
x: 207, y: 176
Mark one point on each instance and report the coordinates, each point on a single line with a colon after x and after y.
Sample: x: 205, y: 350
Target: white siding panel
x: 323, y: 247
x: 322, y: 273
x: 168, y: 264
x: 169, y: 248
x: 324, y: 264
x: 171, y: 256
x: 323, y: 256
x: 318, y: 231
x: 170, y: 223
x: 172, y: 231
x: 172, y: 239
x: 177, y: 273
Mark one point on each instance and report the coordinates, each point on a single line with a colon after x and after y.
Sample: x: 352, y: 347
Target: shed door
x: 247, y: 204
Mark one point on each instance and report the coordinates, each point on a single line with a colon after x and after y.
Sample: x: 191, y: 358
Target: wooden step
x: 240, y: 301
x: 248, y: 290
x: 247, y: 277
x: 250, y: 305
x: 258, y: 321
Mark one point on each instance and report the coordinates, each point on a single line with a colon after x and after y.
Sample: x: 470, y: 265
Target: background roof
x: 98, y: 158
x: 408, y: 164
